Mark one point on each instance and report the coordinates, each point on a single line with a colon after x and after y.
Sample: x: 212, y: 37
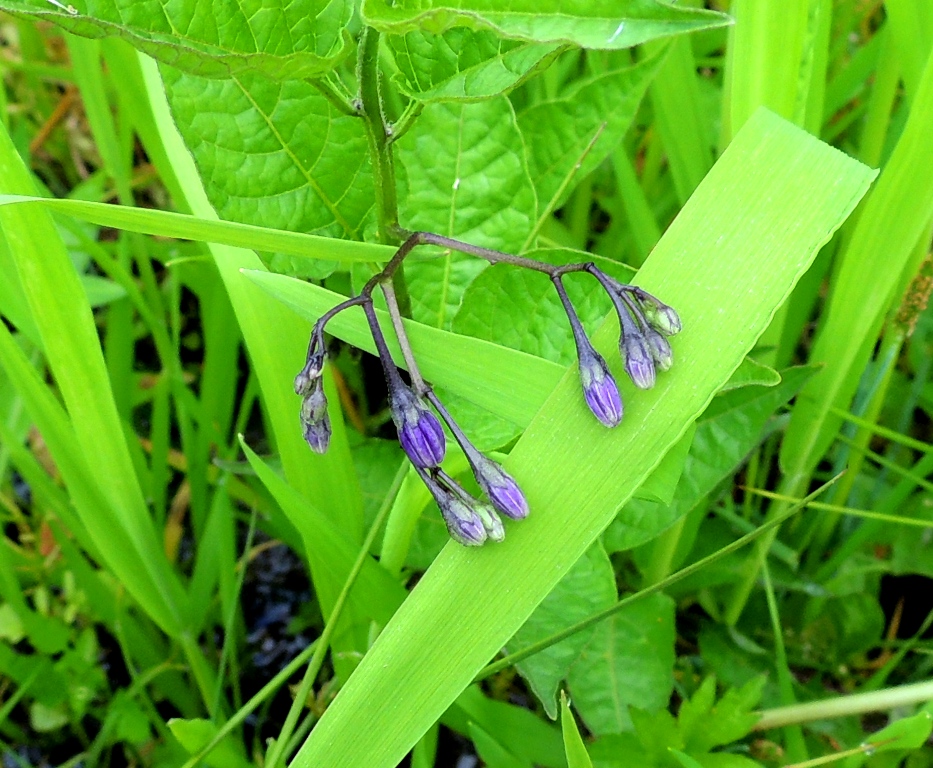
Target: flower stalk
x: 644, y: 321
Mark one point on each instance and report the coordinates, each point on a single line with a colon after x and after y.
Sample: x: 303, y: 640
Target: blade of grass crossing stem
x: 575, y: 473
x: 890, y: 224
x: 61, y: 313
x: 276, y: 345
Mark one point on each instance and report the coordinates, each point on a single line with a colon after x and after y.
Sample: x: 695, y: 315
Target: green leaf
x: 882, y: 244
x: 577, y: 756
x: 276, y: 154
x: 557, y: 132
x: 908, y: 733
x: 685, y: 760
x: 459, y: 363
x: 149, y: 221
x: 492, y: 753
x: 45, y: 719
x: 464, y: 65
x: 520, y: 309
x: 705, y: 724
x: 215, y: 38
x: 726, y: 433
x: 527, y: 735
x: 587, y: 588
x: 194, y: 734
x: 602, y: 24
x: 629, y: 662
x: 751, y: 230
x: 465, y: 177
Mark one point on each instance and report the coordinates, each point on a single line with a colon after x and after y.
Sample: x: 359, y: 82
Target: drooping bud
x: 499, y: 487
x: 315, y: 423
x: 495, y: 531
x: 663, y: 318
x: 660, y: 348
x: 600, y: 389
x: 639, y: 364
x: 419, y: 430
x: 464, y: 524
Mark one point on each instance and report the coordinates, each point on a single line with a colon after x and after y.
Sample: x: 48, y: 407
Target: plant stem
x: 374, y: 119
x: 842, y: 706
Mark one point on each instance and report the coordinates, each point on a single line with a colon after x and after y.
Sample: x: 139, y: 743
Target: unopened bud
x: 600, y: 389
x: 663, y: 318
x: 315, y: 423
x: 314, y: 365
x: 661, y: 350
x: 419, y: 430
x: 495, y: 531
x: 639, y: 364
x: 500, y: 487
x: 463, y: 521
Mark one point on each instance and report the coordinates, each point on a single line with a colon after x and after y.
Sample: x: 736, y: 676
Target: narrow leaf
x: 751, y: 229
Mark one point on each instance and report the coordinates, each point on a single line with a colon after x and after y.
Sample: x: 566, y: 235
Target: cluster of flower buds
x: 418, y: 414
x: 470, y: 521
x: 645, y: 323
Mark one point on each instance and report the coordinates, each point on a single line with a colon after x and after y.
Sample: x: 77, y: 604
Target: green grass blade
x: 894, y: 217
x: 751, y: 229
x: 63, y: 318
x: 167, y: 224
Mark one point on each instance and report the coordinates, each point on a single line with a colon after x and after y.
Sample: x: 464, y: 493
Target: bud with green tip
x: 660, y: 348
x: 495, y: 531
x: 660, y: 316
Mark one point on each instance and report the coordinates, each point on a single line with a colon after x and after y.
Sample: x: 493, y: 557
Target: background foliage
x: 186, y: 188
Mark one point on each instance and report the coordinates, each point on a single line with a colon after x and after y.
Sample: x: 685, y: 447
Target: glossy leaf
x: 558, y: 132
x: 604, y: 24
x: 628, y: 662
x: 276, y: 154
x: 464, y: 65
x: 285, y: 41
x: 588, y: 588
x: 465, y: 177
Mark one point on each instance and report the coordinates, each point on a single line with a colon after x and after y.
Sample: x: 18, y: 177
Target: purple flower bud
x: 660, y: 348
x: 600, y: 389
x: 639, y: 364
x: 499, y: 487
x: 315, y: 422
x: 464, y: 523
x: 419, y: 430
x: 495, y: 531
